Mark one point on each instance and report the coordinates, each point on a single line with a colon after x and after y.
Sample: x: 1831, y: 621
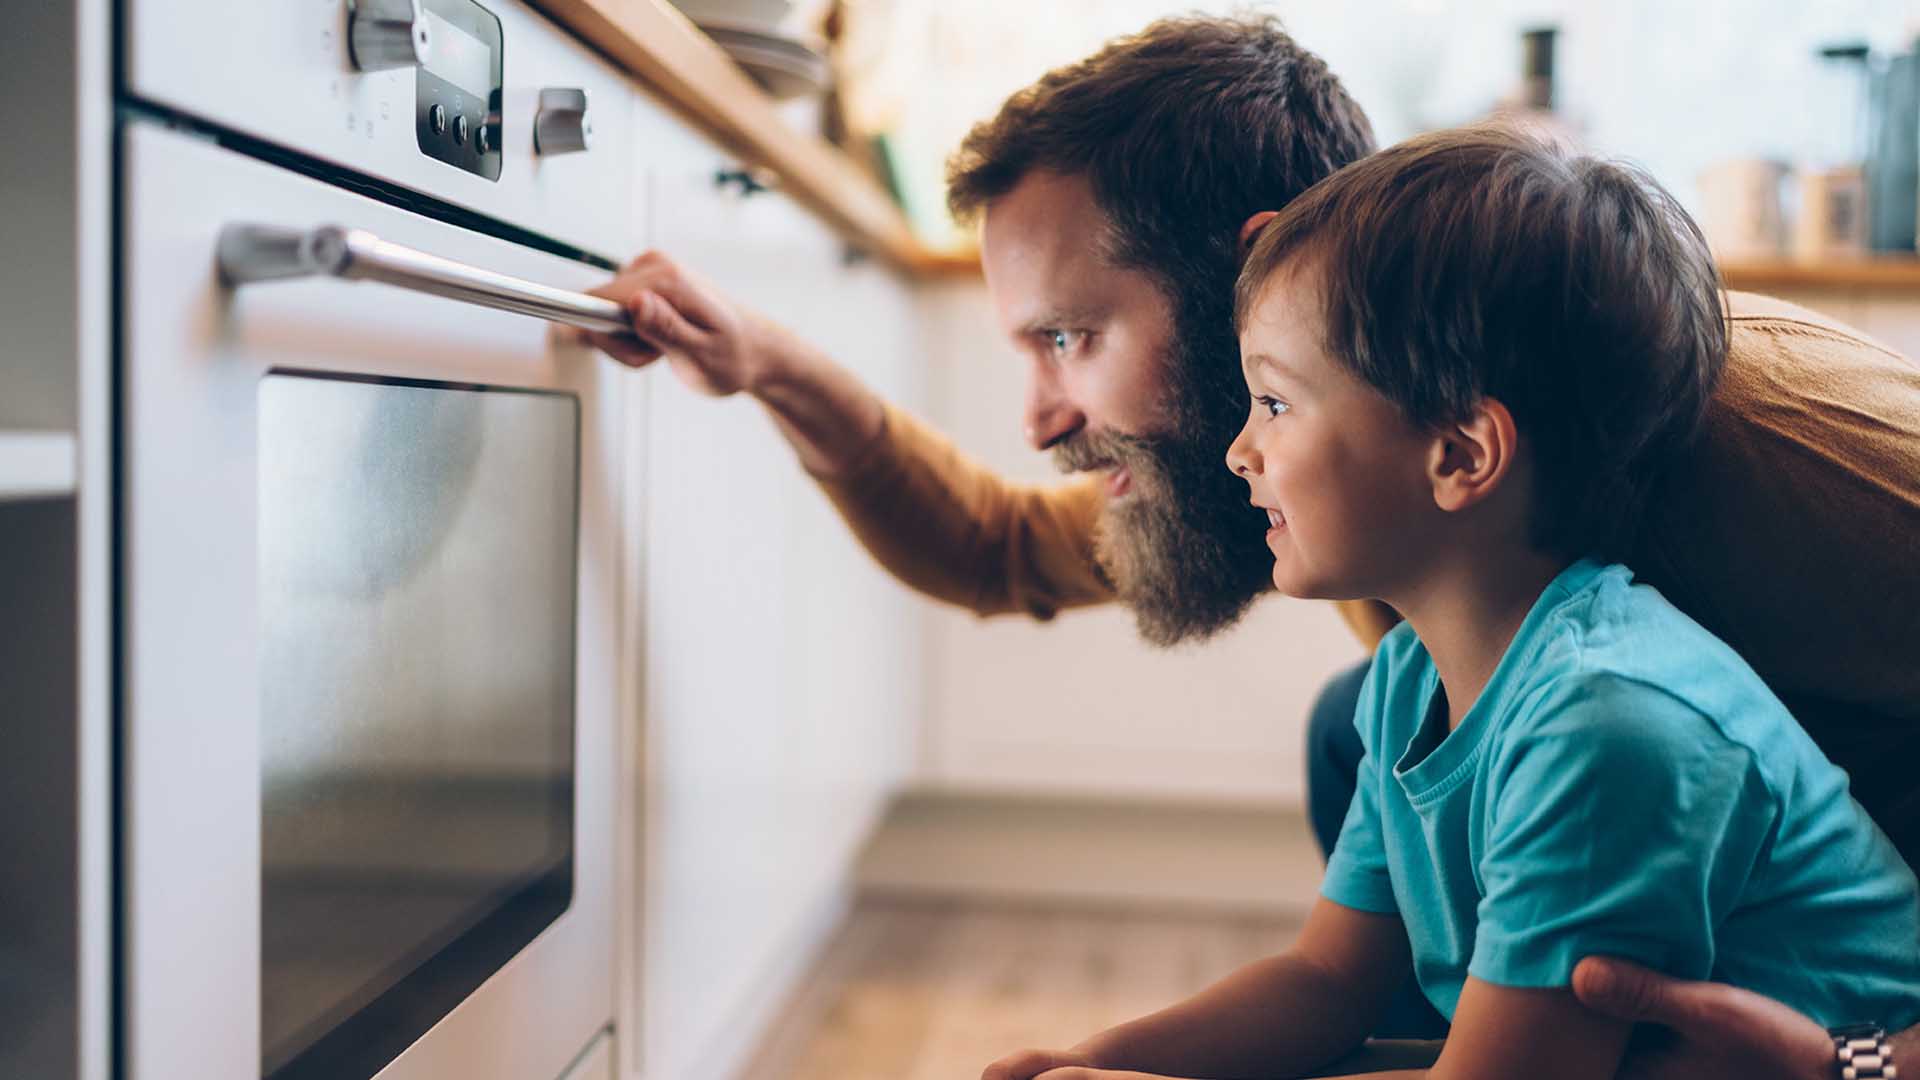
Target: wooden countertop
x: 1879, y: 273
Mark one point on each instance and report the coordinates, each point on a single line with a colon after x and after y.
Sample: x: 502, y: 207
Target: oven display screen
x: 416, y: 655
x: 459, y: 57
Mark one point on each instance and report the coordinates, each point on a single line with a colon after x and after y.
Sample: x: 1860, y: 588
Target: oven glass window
x: 417, y: 578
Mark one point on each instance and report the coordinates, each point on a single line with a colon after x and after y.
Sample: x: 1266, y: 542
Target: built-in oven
x: 370, y: 556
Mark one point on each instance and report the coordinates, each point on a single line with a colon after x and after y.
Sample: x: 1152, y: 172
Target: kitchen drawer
x: 596, y: 1063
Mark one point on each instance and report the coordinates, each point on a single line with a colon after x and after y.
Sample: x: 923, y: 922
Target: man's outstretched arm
x: 1722, y: 1032
x: 939, y: 521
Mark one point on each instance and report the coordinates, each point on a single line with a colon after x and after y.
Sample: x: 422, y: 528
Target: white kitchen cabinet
x: 55, y: 525
x: 779, y: 681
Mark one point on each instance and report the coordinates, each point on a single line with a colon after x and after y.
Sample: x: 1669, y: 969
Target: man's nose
x: 1051, y: 415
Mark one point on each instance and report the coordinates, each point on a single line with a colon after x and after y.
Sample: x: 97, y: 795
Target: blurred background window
x: 1678, y: 85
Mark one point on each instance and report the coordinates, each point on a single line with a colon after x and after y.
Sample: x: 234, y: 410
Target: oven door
x: 368, y: 639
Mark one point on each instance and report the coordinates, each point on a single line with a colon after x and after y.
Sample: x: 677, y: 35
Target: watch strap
x: 1861, y: 1052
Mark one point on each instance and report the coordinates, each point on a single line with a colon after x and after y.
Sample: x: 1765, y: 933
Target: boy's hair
x: 1487, y: 262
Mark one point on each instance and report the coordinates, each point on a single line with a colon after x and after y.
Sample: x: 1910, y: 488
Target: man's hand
x: 1058, y: 1065
x: 1083, y: 1073
x: 718, y: 348
x: 1718, y: 1032
x: 1028, y: 1064
x: 713, y: 346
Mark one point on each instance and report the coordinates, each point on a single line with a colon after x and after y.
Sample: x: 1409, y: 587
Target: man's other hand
x: 1718, y: 1032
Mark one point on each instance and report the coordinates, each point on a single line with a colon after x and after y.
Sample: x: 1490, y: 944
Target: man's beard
x: 1184, y: 550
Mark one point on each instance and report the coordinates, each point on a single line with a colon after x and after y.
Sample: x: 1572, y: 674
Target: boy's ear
x: 1250, y: 229
x: 1473, y: 457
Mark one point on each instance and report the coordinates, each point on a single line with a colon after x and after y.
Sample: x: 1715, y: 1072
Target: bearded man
x: 1117, y: 196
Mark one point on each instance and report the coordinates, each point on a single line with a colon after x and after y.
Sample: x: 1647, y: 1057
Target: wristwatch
x: 1861, y: 1053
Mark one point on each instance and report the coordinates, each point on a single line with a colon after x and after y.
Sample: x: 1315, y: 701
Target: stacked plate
x: 786, y: 65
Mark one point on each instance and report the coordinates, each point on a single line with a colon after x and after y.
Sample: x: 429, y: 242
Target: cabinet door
x: 780, y: 665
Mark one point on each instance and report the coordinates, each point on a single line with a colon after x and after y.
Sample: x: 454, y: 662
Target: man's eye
x: 1063, y: 341
x: 1273, y: 405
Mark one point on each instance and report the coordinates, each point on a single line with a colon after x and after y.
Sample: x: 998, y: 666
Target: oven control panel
x: 481, y: 104
x: 454, y: 47
x: 457, y: 92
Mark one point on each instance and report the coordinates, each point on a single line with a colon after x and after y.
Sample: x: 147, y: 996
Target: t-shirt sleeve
x: 1357, y: 874
x: 1621, y: 821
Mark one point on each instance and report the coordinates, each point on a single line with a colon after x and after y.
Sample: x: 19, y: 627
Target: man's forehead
x: 1049, y: 214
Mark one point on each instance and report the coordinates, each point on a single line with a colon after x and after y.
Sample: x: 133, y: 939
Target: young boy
x: 1468, y: 356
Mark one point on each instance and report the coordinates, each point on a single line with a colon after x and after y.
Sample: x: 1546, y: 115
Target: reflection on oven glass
x: 417, y: 586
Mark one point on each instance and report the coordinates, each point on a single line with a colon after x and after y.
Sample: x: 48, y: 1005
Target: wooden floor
x: 934, y: 990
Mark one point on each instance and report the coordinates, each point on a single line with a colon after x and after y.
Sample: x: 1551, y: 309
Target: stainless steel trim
x: 386, y: 34
x: 562, y: 125
x: 253, y: 253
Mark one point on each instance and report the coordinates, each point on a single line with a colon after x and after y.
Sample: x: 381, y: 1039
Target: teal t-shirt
x: 1625, y: 785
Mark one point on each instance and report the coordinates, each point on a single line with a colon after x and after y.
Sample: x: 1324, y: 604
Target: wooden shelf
x: 663, y: 49
x: 1881, y: 273
x: 1885, y: 273
x: 36, y: 464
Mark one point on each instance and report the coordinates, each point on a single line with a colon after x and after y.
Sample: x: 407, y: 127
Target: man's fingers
x: 656, y: 273
x: 629, y: 351
x: 1624, y: 990
x: 1025, y: 1065
x: 689, y: 297
x: 660, y: 322
x: 1711, y: 1022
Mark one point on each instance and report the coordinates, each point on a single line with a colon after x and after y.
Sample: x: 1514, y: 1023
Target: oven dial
x: 437, y: 119
x: 460, y: 131
x: 561, y: 126
x: 384, y: 34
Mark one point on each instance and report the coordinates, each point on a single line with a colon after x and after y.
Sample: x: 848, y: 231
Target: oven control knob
x: 384, y: 34
x: 561, y: 126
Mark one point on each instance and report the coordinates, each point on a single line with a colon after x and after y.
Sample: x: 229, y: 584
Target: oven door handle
x: 249, y: 253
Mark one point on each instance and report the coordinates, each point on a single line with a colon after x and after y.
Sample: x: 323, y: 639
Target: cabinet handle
x: 750, y: 181
x: 252, y: 253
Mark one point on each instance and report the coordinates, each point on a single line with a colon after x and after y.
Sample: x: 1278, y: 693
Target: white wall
x: 1081, y: 705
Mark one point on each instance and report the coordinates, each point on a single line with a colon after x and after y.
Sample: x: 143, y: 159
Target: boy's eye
x: 1273, y: 405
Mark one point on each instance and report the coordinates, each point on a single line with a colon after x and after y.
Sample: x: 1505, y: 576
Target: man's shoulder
x: 1767, y: 329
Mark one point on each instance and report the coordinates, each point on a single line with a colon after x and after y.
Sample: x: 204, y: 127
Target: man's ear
x: 1250, y: 230
x: 1473, y: 457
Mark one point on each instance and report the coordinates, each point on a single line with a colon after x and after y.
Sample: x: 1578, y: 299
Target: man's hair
x: 1488, y: 262
x: 1183, y: 130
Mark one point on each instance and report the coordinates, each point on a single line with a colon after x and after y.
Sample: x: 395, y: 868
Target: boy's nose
x: 1242, y: 458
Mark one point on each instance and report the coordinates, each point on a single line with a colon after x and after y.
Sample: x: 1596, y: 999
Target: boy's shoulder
x: 1597, y: 643
x: 1611, y: 656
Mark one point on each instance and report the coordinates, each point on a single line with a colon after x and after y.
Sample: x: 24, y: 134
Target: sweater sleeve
x: 953, y: 529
